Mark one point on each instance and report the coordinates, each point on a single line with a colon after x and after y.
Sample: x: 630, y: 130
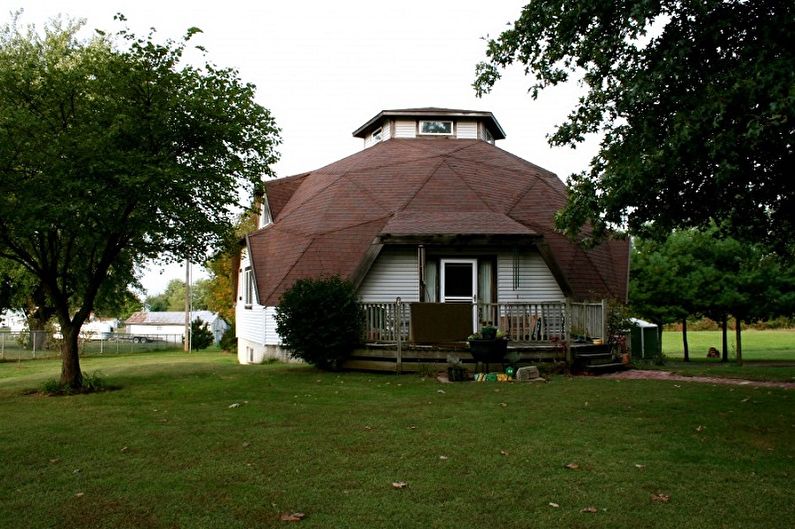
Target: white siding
x: 467, y: 130
x: 394, y: 274
x: 536, y: 282
x: 405, y: 128
x: 255, y: 324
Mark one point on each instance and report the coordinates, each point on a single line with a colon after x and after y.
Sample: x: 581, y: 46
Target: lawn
x: 757, y: 345
x: 196, y: 441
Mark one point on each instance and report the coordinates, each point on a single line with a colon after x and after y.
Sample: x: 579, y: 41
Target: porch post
x: 398, y: 333
x: 605, y: 328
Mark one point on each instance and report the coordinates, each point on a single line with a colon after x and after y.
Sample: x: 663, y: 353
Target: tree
x: 694, y: 102
x: 201, y: 337
x: 223, y: 267
x: 173, y: 297
x: 114, y: 151
x: 700, y: 272
x: 656, y: 289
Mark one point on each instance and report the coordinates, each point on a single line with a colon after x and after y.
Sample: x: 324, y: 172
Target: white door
x: 459, y: 283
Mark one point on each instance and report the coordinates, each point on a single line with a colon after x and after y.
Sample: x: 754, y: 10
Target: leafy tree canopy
x: 114, y: 150
x: 695, y: 101
x: 173, y: 298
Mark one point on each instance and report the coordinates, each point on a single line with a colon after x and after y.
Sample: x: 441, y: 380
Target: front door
x: 459, y: 283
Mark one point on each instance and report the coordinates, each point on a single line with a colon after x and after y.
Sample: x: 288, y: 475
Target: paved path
x: 638, y: 374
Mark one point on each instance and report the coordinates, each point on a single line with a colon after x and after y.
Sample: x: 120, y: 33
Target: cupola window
x: 436, y: 127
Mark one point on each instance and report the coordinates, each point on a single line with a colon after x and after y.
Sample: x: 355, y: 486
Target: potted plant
x: 489, y: 345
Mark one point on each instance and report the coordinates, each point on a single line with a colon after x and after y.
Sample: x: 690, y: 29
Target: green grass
x: 767, y: 355
x: 166, y: 450
x: 757, y: 345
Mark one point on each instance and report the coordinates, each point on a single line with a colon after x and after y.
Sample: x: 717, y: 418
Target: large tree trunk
x: 725, y: 343
x: 684, y: 340
x: 738, y: 324
x: 71, y: 375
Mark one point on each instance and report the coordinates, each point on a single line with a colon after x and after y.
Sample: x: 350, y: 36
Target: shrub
x: 201, y: 335
x: 320, y: 321
x: 92, y: 383
x: 229, y: 340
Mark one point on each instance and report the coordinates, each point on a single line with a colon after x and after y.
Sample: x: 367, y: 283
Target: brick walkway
x: 641, y: 374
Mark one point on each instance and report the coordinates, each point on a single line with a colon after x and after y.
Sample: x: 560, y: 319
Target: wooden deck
x: 413, y: 357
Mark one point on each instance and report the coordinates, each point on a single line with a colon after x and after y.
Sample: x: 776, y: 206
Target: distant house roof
x: 431, y: 112
x: 327, y: 221
x: 170, y: 318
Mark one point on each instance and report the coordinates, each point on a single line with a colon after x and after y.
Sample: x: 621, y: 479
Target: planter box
x: 488, y: 351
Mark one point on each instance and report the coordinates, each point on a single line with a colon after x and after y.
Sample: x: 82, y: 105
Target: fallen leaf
x: 503, y: 453
x: 124, y: 448
x: 292, y: 516
x: 54, y: 460
x: 412, y: 427
x: 590, y: 509
x: 572, y: 466
x: 700, y: 428
x: 246, y: 444
x: 660, y: 498
x: 236, y: 405
x: 677, y: 386
x: 504, y: 404
x: 586, y: 403
x: 439, y: 391
x: 640, y: 466
x: 79, y: 494
x: 553, y: 504
x: 746, y: 399
x: 443, y: 458
x: 399, y: 484
x: 368, y: 428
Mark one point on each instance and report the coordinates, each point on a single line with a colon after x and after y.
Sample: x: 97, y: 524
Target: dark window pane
x: 458, y: 279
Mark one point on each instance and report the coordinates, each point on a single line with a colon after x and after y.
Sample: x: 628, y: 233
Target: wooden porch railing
x: 521, y: 322
x: 526, y: 322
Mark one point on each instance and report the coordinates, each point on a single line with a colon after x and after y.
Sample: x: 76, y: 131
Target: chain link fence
x: 30, y: 345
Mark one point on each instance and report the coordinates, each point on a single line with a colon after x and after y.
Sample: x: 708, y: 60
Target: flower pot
x: 488, y: 351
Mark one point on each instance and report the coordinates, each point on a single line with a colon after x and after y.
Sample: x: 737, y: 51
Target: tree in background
x: 173, y: 297
x: 694, y: 103
x: 201, y: 337
x: 114, y: 151
x: 696, y: 272
x: 223, y: 267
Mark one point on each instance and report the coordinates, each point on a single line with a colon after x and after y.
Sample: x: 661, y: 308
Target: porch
x: 403, y: 336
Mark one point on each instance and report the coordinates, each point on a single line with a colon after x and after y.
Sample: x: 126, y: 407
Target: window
x: 265, y: 217
x: 248, y: 288
x: 377, y: 134
x: 436, y: 127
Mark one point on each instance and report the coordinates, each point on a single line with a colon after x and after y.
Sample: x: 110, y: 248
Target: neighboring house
x: 429, y: 211
x: 13, y: 321
x: 172, y: 323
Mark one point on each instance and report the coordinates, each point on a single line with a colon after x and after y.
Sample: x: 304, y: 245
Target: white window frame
x: 377, y: 134
x: 248, y: 288
x: 265, y: 217
x: 458, y: 299
x: 451, y: 122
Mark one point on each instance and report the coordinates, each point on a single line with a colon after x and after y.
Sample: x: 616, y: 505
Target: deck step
x: 605, y: 367
x: 588, y: 356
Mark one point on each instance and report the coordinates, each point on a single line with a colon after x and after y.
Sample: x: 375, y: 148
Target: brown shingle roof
x: 326, y: 220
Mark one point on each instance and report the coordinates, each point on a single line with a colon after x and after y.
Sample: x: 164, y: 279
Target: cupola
x: 442, y: 123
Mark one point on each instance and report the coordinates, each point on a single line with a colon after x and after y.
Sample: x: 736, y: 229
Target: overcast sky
x: 324, y: 68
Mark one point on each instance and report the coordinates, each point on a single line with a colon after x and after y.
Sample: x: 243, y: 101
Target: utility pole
x: 186, y: 345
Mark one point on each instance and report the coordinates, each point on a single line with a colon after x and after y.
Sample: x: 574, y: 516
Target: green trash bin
x: 644, y: 340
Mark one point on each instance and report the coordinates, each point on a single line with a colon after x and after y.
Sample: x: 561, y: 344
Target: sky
x: 324, y: 68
